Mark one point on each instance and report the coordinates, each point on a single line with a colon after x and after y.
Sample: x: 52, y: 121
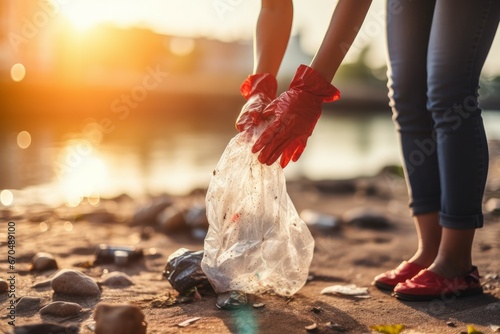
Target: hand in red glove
x: 295, y: 112
x: 259, y: 90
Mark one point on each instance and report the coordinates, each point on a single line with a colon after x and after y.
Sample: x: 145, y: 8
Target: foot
x: 389, y: 279
x: 428, y: 285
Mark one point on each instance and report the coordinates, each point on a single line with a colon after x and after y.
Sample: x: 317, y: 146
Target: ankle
x: 450, y: 269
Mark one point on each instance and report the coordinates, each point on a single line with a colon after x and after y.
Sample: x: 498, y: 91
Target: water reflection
x: 86, y: 166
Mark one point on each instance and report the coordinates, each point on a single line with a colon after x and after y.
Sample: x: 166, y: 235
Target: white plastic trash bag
x: 256, y: 242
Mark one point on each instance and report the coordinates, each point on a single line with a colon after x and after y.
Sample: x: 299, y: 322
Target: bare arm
x: 272, y: 34
x: 344, y: 26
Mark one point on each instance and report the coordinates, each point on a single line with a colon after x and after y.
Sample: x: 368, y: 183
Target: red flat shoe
x: 428, y: 285
x: 389, y: 279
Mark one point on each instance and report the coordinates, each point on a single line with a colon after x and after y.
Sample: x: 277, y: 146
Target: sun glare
x: 85, y: 14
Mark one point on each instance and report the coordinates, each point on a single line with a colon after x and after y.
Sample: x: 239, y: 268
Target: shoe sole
x: 424, y: 298
x: 384, y: 286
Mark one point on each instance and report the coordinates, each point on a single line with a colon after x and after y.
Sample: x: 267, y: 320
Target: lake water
x: 175, y: 157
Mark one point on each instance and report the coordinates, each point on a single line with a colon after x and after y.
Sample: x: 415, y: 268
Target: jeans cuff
x: 461, y: 222
x: 419, y: 207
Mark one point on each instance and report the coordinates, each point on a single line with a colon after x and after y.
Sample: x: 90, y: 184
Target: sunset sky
x: 231, y: 20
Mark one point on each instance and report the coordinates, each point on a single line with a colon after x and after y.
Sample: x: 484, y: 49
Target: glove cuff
x: 263, y: 83
x: 309, y: 80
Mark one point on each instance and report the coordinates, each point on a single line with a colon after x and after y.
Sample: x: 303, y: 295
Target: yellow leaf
x: 388, y: 329
x: 472, y: 330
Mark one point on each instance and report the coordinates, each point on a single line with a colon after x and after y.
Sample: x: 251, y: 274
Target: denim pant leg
x: 461, y: 35
x: 408, y: 30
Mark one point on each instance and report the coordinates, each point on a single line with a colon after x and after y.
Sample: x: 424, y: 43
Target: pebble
x: 27, y: 304
x: 119, y: 318
x: 117, y: 280
x: 335, y: 326
x: 311, y: 327
x: 61, y: 309
x: 43, y: 261
x: 231, y: 300
x: 3, y: 286
x: 46, y: 329
x: 147, y: 215
x: 73, y: 282
x: 366, y: 218
x: 258, y: 305
x: 493, y: 206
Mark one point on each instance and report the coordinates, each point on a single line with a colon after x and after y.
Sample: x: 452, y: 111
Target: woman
x: 436, y: 51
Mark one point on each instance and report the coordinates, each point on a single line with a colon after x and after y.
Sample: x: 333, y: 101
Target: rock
x: 46, y: 328
x: 148, y: 215
x: 28, y: 304
x: 493, y: 206
x: 118, y: 254
x: 73, y: 282
x: 43, y: 261
x: 117, y: 280
x: 172, y: 219
x: 336, y: 186
x: 97, y: 216
x: 61, y: 309
x: 119, y: 319
x: 366, y: 218
x: 196, y: 217
x: 3, y: 286
x: 231, y: 300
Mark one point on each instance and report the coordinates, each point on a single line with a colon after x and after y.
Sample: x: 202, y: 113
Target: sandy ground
x: 347, y: 255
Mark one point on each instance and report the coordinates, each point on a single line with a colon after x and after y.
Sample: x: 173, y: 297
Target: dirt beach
x: 343, y: 255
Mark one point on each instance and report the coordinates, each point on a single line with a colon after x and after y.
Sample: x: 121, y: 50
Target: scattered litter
x: 320, y: 221
x: 347, y: 290
x: 450, y: 324
x: 495, y: 328
x: 316, y: 309
x: 231, y: 300
x: 183, y: 271
x: 188, y: 322
x: 258, y: 305
x: 120, y: 255
x: 335, y: 326
x: 311, y: 327
x: 388, y: 329
x: 472, y: 330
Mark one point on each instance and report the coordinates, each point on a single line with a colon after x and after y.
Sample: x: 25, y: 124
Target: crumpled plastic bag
x: 256, y: 241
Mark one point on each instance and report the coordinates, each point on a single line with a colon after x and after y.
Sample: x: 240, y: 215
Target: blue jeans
x: 436, y: 51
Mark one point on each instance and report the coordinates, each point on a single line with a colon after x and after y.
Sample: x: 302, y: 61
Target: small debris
x: 495, y: 328
x: 312, y: 327
x: 388, y: 329
x: 258, y: 305
x: 472, y: 330
x: 118, y: 254
x: 367, y: 218
x: 335, y: 326
x: 451, y: 324
x: 347, y: 290
x: 316, y: 309
x: 188, y: 322
x: 231, y: 300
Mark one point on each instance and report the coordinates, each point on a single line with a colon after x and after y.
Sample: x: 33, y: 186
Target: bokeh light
x: 17, y: 72
x: 181, y: 46
x: 43, y: 227
x: 6, y: 197
x: 23, y: 139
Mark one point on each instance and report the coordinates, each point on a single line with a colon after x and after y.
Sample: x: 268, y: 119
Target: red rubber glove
x: 259, y: 90
x: 295, y: 112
